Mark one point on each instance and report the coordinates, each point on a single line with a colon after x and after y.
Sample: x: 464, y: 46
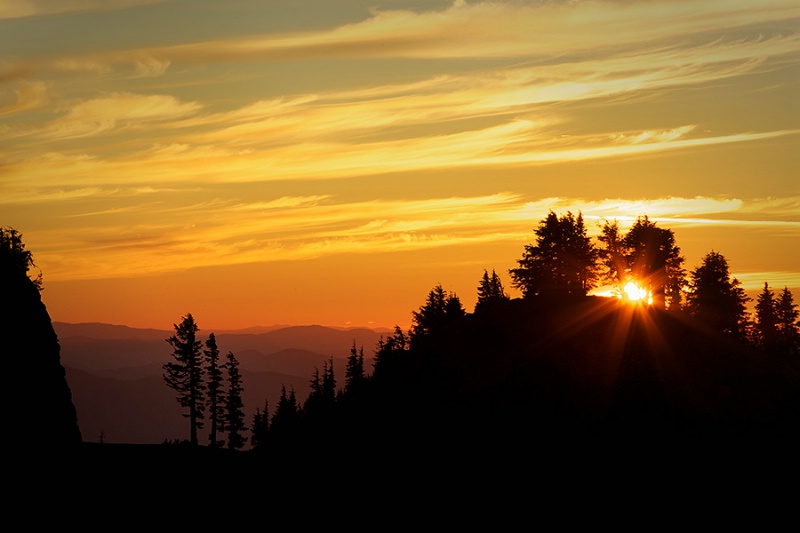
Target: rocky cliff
x: 38, y: 400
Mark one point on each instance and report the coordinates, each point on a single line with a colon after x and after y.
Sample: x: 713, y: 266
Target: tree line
x: 564, y: 262
x: 562, y: 265
x: 197, y: 375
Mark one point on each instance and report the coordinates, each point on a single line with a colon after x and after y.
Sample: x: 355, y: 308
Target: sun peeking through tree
x: 635, y: 293
x: 645, y: 264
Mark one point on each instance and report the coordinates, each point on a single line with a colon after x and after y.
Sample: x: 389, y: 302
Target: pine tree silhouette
x: 234, y: 413
x: 215, y: 396
x: 185, y: 374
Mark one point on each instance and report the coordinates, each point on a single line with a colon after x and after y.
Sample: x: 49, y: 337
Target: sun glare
x: 635, y: 293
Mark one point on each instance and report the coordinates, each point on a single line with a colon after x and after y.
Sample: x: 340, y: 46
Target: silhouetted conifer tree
x: 787, y: 322
x: 328, y: 383
x: 440, y: 310
x: 398, y: 341
x: 612, y: 254
x: 322, y: 398
x: 388, y: 351
x: 716, y: 299
x: 316, y: 385
x: 563, y: 262
x: 287, y: 414
x: 654, y: 260
x: 185, y: 374
x: 259, y: 431
x: 354, y: 376
x: 14, y: 258
x: 646, y: 255
x: 584, y: 255
x: 214, y: 379
x: 490, y: 290
x: 314, y: 400
x: 234, y: 413
x: 766, y: 325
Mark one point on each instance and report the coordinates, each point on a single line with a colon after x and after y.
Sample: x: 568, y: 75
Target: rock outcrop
x: 38, y: 401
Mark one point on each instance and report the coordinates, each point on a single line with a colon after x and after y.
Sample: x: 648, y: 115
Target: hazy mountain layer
x: 115, y: 373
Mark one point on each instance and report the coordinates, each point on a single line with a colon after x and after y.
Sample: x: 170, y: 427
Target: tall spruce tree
x: 490, y: 291
x: 766, y: 325
x: 655, y: 262
x: 328, y: 383
x: 612, y: 255
x: 322, y: 398
x: 355, y: 378
x: 185, y: 374
x: 259, y: 431
x: 285, y: 420
x: 563, y: 262
x: 215, y: 396
x: 388, y: 353
x: 787, y: 322
x: 314, y: 400
x: 440, y: 310
x: 716, y: 299
x: 234, y: 406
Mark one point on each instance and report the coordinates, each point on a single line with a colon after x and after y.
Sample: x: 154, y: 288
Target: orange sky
x: 259, y: 163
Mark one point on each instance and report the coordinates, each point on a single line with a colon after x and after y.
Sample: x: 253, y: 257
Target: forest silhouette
x: 677, y: 363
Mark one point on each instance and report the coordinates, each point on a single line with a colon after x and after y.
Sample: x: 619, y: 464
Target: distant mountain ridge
x: 115, y: 372
x: 102, y: 330
x: 99, y: 330
x: 97, y: 347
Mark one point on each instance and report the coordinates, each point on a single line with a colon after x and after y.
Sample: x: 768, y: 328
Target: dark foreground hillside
x: 591, y: 383
x: 592, y: 368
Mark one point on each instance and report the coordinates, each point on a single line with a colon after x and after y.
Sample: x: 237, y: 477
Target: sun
x: 634, y: 293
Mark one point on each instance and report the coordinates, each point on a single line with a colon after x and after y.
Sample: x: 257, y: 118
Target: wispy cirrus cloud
x: 27, y: 97
x: 497, y: 29
x: 541, y: 32
x: 129, y: 107
x: 223, y: 232
x: 510, y: 144
x: 10, y: 9
x: 109, y: 112
x: 777, y: 280
x: 102, y: 66
x: 285, y: 228
x: 366, y: 130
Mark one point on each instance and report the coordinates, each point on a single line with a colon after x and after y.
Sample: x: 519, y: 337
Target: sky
x: 330, y: 162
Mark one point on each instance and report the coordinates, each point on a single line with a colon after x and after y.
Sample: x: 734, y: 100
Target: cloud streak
x: 223, y: 232
x: 497, y: 29
x: 360, y: 131
x: 118, y: 110
x: 28, y: 97
x: 511, y: 144
x: 10, y: 9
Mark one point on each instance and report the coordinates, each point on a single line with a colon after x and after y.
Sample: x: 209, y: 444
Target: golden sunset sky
x: 329, y: 162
